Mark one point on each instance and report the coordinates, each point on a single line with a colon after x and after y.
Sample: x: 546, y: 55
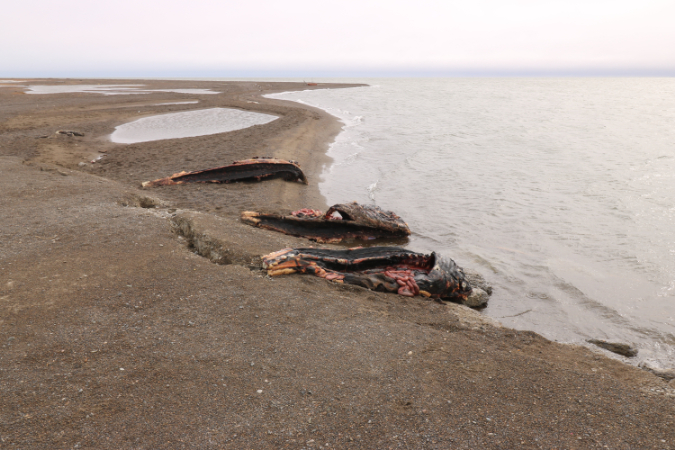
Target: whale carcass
x: 254, y: 169
x: 389, y: 269
x: 341, y: 222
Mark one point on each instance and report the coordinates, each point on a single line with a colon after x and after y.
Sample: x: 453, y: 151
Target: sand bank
x: 137, y: 318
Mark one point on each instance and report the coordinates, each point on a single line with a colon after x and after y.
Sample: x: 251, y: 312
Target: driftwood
x: 254, y: 169
x: 340, y: 222
x: 70, y: 133
x: 619, y: 348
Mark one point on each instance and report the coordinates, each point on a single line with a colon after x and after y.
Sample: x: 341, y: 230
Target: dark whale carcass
x: 248, y: 169
x: 340, y: 222
x: 389, y: 269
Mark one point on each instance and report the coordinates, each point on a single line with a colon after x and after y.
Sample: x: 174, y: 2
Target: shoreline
x: 119, y: 331
x: 367, y: 151
x: 343, y: 125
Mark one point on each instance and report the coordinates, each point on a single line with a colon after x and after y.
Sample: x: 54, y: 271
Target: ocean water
x: 561, y: 192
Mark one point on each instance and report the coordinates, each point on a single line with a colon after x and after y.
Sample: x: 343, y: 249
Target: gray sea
x: 561, y: 192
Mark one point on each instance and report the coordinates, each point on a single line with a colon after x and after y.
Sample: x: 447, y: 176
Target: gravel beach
x: 139, y: 318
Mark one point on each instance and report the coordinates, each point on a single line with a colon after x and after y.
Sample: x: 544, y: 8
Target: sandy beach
x: 140, y: 318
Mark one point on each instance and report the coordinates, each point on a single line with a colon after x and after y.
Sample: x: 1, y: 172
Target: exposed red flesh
x: 379, y: 268
x: 340, y: 222
x: 305, y: 212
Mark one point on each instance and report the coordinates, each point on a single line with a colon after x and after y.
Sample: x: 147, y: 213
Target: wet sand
x: 134, y: 318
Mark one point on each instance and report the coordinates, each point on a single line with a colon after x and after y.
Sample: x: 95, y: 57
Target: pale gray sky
x: 349, y: 37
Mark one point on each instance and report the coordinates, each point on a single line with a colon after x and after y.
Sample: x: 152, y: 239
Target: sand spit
x: 135, y: 318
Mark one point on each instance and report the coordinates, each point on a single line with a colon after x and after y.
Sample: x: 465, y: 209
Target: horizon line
x: 350, y: 73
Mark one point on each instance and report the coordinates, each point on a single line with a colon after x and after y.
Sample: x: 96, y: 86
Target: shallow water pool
x: 187, y: 124
x: 108, y: 89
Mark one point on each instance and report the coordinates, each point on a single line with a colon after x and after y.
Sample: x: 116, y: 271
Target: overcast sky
x: 329, y: 38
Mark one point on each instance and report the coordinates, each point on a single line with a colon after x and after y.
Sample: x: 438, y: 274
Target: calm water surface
x: 561, y: 192
x: 197, y: 122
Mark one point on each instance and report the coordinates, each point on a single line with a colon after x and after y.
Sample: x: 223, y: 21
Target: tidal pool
x: 187, y: 124
x: 108, y: 89
x: 189, y: 102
